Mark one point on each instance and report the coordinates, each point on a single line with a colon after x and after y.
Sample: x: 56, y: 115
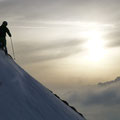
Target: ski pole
x: 12, y: 48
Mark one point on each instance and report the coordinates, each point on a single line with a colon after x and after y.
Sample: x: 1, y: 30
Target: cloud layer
x: 29, y: 10
x: 50, y: 51
x: 96, y: 102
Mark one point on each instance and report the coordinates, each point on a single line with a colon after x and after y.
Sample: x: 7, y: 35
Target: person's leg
x: 5, y: 46
x: 1, y: 43
x: 6, y: 52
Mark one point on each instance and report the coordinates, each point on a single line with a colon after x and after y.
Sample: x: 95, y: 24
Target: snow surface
x: 23, y: 98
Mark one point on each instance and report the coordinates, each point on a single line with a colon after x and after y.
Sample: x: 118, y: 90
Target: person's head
x: 4, y: 23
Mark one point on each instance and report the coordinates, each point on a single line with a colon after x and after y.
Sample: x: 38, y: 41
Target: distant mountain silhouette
x: 110, y: 82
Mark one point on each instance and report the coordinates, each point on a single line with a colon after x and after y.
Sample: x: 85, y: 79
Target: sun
x: 95, y: 45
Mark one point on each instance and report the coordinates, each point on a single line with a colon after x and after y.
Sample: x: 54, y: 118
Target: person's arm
x: 8, y: 32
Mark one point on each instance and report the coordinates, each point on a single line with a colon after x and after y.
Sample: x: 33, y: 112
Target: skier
x: 3, y: 31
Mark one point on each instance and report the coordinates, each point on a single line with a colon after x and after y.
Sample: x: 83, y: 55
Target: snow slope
x: 23, y: 98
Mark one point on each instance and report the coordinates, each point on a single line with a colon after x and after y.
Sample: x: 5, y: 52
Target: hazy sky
x: 65, y: 42
x: 68, y: 43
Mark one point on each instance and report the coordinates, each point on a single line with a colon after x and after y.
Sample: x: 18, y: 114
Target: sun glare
x: 95, y: 45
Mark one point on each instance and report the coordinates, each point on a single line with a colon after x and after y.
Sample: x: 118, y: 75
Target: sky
x: 65, y: 44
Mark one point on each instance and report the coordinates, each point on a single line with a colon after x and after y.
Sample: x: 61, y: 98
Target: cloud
x: 16, y: 10
x: 96, y: 102
x: 106, y: 97
x: 113, y: 38
x: 98, y: 96
x: 117, y: 80
x: 49, y: 51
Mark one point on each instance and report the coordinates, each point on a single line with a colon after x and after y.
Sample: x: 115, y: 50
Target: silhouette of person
x: 3, y: 31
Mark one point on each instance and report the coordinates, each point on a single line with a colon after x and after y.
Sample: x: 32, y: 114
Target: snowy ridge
x: 23, y: 98
x: 117, y: 80
x: 65, y: 102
